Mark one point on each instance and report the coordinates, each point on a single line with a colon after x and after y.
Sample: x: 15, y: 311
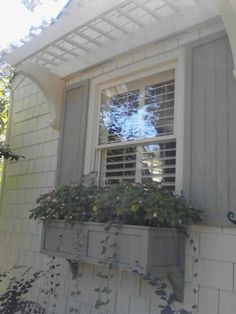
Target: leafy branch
x: 132, y: 204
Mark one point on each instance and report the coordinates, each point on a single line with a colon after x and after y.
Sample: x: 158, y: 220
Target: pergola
x: 99, y: 30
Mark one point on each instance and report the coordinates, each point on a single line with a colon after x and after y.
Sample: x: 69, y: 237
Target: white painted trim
x: 172, y: 60
x: 163, y: 61
x: 63, y: 27
x: 167, y: 27
x: 233, y: 4
x: 227, y: 10
x: 14, y: 87
x: 150, y: 140
x: 51, y: 86
x: 179, y: 120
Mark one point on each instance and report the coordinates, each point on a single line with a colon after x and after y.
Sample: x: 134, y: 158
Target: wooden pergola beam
x: 65, y: 26
x: 166, y: 27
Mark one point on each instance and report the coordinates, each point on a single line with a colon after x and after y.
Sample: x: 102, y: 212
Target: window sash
x: 130, y: 116
x: 162, y: 86
x: 140, y: 163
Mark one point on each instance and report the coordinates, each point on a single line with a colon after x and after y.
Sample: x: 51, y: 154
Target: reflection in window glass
x: 141, y: 109
x: 137, y: 114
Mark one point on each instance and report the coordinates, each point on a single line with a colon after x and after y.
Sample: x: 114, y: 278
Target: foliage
x: 136, y: 204
x: 32, y: 4
x: 19, y: 281
x: 6, y: 75
x: 6, y: 153
x: 19, y: 286
x: 133, y: 204
x: 160, y: 289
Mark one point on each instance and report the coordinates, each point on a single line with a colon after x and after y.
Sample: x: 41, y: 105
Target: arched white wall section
x: 51, y: 86
x: 227, y: 10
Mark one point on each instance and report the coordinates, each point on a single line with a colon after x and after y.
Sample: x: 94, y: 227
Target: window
x: 136, y: 139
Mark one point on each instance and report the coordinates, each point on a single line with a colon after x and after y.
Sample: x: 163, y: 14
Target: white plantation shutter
x: 164, y: 94
x: 139, y: 164
x: 73, y: 134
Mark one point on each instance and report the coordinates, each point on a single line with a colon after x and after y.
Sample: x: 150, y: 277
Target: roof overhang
x: 102, y: 29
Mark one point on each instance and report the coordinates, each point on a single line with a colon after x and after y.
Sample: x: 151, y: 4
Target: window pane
x: 153, y: 162
x: 159, y: 100
x: 137, y: 114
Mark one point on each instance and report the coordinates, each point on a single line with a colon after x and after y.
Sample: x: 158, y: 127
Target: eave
x: 101, y: 30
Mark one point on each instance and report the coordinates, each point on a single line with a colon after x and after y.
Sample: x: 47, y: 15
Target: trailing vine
x: 51, y: 283
x: 109, y: 260
x: 168, y: 305
x: 13, y: 300
x: 135, y: 204
x: 195, y: 272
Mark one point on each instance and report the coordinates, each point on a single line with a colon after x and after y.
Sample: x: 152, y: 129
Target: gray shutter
x: 73, y: 134
x: 213, y: 131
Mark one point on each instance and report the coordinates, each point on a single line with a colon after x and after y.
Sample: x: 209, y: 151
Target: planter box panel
x: 130, y: 249
x: 64, y: 241
x: 169, y: 253
x: 127, y: 249
x: 145, y: 249
x: 167, y: 249
x: 153, y: 249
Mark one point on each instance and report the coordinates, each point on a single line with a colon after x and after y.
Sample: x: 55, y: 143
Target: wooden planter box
x: 155, y: 250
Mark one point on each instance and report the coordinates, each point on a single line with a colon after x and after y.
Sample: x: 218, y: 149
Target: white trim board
x: 173, y: 60
x: 167, y: 27
x: 63, y: 27
x: 188, y: 18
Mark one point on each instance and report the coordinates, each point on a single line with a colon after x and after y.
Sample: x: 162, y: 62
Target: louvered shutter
x: 73, y: 134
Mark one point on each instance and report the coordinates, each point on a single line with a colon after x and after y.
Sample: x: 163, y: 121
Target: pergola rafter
x: 93, y: 29
x: 102, y: 32
x: 147, y: 10
x: 171, y: 5
x: 130, y: 17
x: 66, y: 50
x: 76, y: 44
x: 115, y: 25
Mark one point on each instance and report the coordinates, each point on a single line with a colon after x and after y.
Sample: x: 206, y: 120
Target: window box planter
x: 138, y: 248
x: 155, y: 250
x: 146, y: 250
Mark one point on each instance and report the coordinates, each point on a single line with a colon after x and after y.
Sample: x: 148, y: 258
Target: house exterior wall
x: 33, y: 138
x: 30, y: 135
x: 215, y: 279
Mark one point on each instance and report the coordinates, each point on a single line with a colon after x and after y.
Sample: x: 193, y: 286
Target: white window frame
x: 174, y: 60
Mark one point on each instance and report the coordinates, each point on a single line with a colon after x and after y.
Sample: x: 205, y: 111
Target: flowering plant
x: 133, y: 204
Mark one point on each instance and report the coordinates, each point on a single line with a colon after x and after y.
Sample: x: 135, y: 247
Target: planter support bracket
x: 74, y: 267
x: 177, y: 281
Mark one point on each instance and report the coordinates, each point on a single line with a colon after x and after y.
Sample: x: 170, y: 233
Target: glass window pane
x: 144, y: 112
x: 142, y: 163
